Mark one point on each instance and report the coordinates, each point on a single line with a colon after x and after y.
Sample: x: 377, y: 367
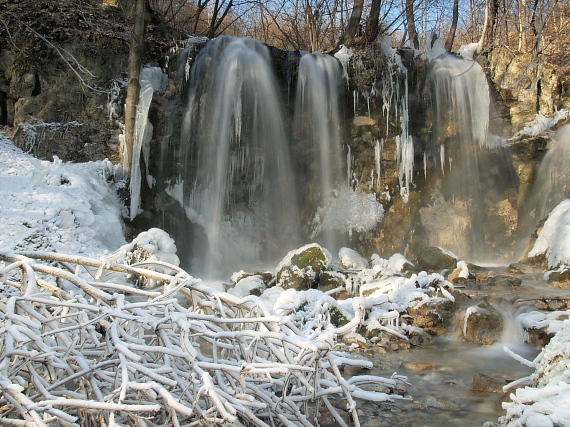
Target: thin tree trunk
x: 522, y: 25
x: 453, y: 29
x: 412, y: 32
x: 136, y: 50
x: 353, y: 21
x: 373, y: 21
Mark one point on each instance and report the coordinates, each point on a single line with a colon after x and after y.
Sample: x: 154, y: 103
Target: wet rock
x: 560, y: 275
x: 482, y: 323
x: 301, y: 268
x: 434, y: 258
x: 478, y: 272
x: 434, y: 316
x: 520, y: 268
x: 436, y: 402
x: 487, y: 383
x: 329, y: 280
x: 418, y: 366
x: 553, y: 304
x: 538, y: 337
x: 503, y: 280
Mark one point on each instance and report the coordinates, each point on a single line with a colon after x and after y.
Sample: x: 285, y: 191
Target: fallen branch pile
x: 82, y: 346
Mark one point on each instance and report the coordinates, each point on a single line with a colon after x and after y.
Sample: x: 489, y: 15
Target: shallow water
x: 441, y: 395
x: 455, y: 362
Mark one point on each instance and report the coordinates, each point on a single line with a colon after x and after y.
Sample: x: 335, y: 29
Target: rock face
x: 57, y: 76
x: 62, y: 76
x: 482, y: 324
x: 524, y: 90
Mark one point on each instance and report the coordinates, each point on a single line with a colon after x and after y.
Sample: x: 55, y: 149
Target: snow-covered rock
x: 301, y: 267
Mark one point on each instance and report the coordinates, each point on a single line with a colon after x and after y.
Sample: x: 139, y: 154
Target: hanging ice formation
x: 317, y: 121
x: 396, y: 102
x: 237, y: 182
x: 151, y: 79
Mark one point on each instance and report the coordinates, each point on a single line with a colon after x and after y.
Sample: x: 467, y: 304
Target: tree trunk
x: 412, y: 32
x: 522, y: 25
x: 353, y: 21
x: 133, y: 88
x: 373, y: 21
x: 453, y: 29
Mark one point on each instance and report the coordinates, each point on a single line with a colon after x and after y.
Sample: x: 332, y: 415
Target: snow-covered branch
x: 77, y: 348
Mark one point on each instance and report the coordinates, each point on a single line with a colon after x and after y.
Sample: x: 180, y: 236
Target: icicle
x: 378, y: 157
x: 355, y: 99
x: 442, y: 158
x: 348, y: 164
x: 425, y: 164
x: 151, y: 79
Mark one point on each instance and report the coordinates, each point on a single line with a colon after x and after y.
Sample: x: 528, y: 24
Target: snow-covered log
x: 81, y: 346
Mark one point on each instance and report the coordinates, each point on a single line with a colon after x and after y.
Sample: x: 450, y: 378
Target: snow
x: 58, y: 206
x: 247, y: 286
x: 554, y: 240
x: 349, y: 258
x: 545, y: 401
x: 343, y: 56
x: 541, y: 123
x: 468, y: 50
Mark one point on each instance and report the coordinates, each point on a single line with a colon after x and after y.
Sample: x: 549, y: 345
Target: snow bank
x: 554, y: 239
x: 545, y: 402
x: 56, y: 205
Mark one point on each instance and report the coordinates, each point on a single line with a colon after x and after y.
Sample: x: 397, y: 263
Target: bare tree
x: 453, y: 28
x: 411, y: 24
x: 133, y: 88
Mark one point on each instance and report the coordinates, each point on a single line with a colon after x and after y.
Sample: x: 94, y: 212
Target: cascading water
x: 236, y: 182
x: 317, y: 124
x: 476, y: 175
x: 551, y: 186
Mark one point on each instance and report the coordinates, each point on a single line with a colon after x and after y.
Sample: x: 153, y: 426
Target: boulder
x: 487, y: 383
x: 482, y: 323
x: 434, y: 316
x: 560, y: 275
x: 434, y: 258
x: 300, y: 269
x: 503, y: 280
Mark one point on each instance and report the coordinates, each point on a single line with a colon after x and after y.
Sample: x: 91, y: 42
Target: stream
x: 441, y: 372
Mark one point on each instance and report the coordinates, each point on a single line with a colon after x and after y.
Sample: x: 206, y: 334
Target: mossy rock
x: 300, y: 269
x: 337, y: 318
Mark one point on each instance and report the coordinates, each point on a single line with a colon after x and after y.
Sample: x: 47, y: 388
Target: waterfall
x: 236, y: 181
x: 477, y: 178
x: 317, y: 124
